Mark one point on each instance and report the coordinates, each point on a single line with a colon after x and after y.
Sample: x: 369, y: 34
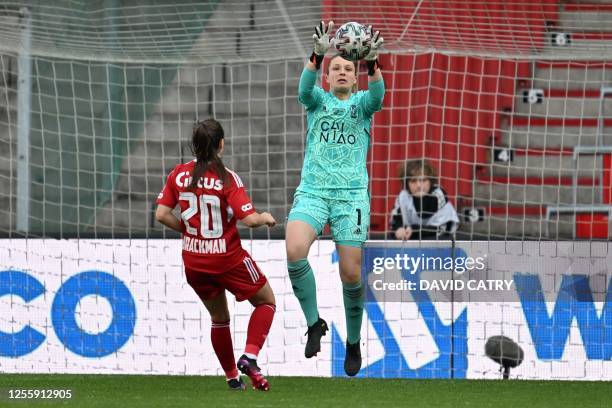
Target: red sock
x: 221, y: 339
x: 259, y: 326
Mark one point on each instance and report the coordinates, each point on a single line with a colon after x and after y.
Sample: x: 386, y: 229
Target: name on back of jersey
x: 183, y: 179
x: 204, y: 246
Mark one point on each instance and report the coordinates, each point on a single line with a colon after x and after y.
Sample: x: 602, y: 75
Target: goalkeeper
x: 334, y: 184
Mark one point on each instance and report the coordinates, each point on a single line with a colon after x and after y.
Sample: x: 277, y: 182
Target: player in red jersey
x: 212, y: 198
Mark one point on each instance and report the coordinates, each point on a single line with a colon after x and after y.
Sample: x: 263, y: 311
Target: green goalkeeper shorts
x: 349, y: 220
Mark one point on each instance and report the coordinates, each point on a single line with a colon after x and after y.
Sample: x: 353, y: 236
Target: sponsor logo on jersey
x: 183, y: 179
x: 334, y: 133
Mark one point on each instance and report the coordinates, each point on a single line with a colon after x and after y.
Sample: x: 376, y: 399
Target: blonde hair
x: 414, y: 168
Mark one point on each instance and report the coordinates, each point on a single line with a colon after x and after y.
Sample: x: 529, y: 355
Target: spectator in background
x: 421, y: 210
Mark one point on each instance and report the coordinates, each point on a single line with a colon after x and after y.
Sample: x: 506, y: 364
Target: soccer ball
x: 352, y: 41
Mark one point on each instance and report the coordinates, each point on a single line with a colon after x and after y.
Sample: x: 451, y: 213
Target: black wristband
x: 316, y: 59
x: 372, y: 66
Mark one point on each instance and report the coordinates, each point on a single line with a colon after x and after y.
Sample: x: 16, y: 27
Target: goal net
x: 506, y: 100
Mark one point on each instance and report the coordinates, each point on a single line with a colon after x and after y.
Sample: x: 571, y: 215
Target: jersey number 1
x: 211, y: 224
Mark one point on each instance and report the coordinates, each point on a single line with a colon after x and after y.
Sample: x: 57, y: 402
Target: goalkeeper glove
x: 371, y: 58
x: 322, y: 42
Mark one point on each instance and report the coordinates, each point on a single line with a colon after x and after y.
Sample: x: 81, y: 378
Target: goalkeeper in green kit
x: 334, y: 184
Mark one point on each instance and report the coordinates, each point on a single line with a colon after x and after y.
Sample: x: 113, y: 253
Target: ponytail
x: 205, y: 144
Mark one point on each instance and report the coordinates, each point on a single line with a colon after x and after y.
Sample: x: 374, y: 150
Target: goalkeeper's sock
x: 221, y: 340
x: 259, y: 327
x: 305, y: 289
x: 353, y: 310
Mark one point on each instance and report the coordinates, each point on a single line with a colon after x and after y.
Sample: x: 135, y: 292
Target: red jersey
x: 211, y: 242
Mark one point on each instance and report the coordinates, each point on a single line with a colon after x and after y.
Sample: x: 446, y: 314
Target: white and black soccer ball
x: 352, y: 41
x: 561, y: 39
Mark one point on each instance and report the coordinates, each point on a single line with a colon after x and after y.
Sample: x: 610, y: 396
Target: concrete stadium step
x: 8, y: 136
x: 571, y: 75
x: 259, y: 153
x: 145, y: 170
x: 10, y: 21
x: 286, y: 179
x: 8, y: 183
x: 274, y: 196
x: 586, y: 48
x: 191, y: 76
x: 548, y: 166
x: 241, y: 145
x: 54, y: 193
x: 497, y: 209
x: 506, y: 228
x: 141, y: 186
x: 255, y: 148
x: 245, y: 163
x: 530, y: 194
x: 123, y: 216
x: 62, y: 154
x: 258, y: 162
x: 8, y: 123
x: 593, y: 182
x: 95, y: 105
x: 238, y: 72
x: 563, y: 227
x: 272, y: 97
x: 591, y: 35
x: 533, y: 121
x: 154, y: 157
x: 235, y: 21
x: 553, y: 137
x: 557, y: 221
x: 167, y: 127
x: 288, y: 71
x: 511, y: 227
x: 8, y: 156
x: 197, y: 87
x: 8, y: 98
x: 147, y: 186
x: 283, y: 128
x: 174, y: 148
x: 562, y: 107
x: 8, y: 213
x: 187, y: 94
x: 164, y: 156
x: 579, y: 17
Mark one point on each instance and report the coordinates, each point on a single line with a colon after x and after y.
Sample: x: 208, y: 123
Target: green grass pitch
x: 177, y: 391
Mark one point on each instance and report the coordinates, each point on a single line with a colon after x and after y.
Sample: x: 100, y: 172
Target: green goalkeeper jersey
x: 337, y: 139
